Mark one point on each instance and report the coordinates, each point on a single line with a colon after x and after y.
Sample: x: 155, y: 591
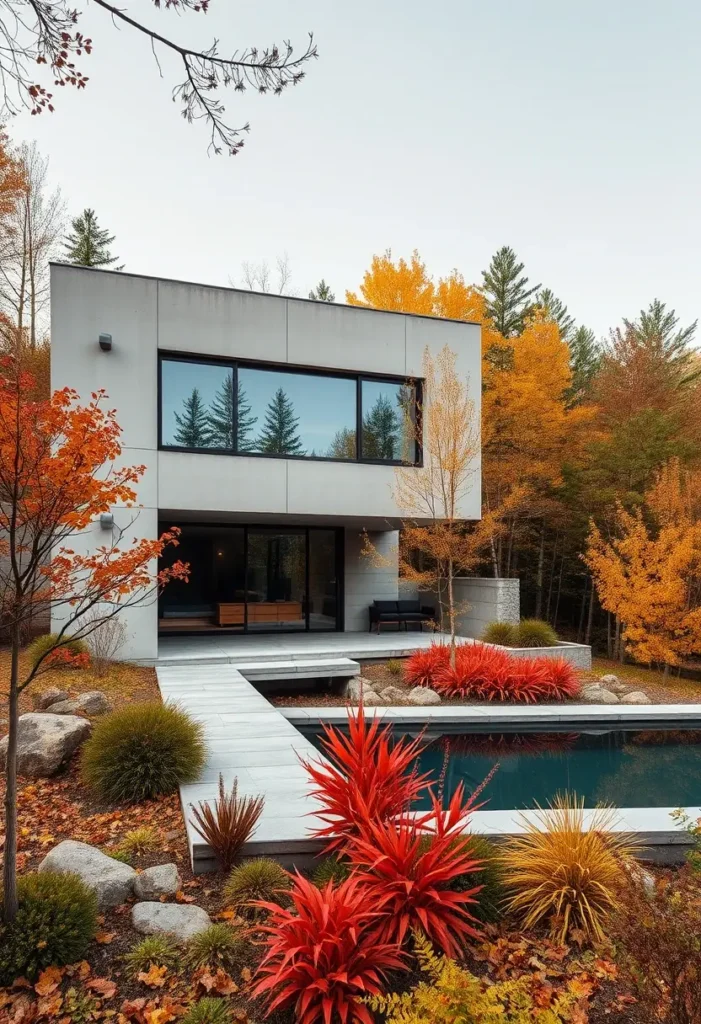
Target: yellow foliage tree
x: 649, y: 575
x: 437, y: 545
x: 403, y: 287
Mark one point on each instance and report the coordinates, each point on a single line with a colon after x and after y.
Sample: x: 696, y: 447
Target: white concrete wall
x: 144, y: 315
x: 367, y: 579
x: 478, y: 600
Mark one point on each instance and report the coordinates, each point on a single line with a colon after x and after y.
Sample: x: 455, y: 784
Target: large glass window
x: 197, y: 401
x: 388, y: 421
x: 297, y: 413
x: 260, y: 410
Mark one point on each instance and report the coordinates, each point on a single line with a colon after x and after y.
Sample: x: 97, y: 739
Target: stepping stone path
x: 111, y: 880
x: 161, y: 880
x: 180, y: 921
x: 45, y: 742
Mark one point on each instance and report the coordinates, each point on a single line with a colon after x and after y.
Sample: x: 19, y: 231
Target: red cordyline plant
x: 421, y: 668
x: 485, y: 673
x: 323, y: 955
x: 368, y: 779
x: 406, y: 867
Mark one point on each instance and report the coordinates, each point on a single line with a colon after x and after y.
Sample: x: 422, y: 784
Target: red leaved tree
x: 58, y: 472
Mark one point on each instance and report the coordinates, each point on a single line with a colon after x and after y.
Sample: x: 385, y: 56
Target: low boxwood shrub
x: 56, y: 919
x: 535, y: 633
x: 503, y: 633
x: 142, y: 751
x: 259, y: 879
x: 70, y: 649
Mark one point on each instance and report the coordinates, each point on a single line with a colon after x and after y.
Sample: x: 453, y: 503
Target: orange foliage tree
x: 59, y: 470
x: 649, y: 573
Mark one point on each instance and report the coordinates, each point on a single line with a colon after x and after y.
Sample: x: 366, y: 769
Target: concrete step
x: 309, y: 668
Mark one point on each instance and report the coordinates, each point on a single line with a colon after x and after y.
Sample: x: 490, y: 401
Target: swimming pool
x: 655, y: 767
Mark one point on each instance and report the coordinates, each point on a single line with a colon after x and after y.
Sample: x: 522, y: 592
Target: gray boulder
x: 179, y: 920
x: 595, y: 694
x: 423, y: 695
x: 635, y: 697
x: 358, y: 689
x: 390, y: 694
x: 161, y: 880
x: 42, y: 701
x: 93, y: 702
x: 46, y: 741
x: 612, y: 683
x: 112, y: 881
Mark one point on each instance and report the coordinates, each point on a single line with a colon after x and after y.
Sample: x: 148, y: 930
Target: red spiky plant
x: 562, y: 679
x: 408, y: 878
x: 476, y: 668
x: 420, y: 669
x: 323, y: 955
x: 486, y: 673
x: 369, y: 778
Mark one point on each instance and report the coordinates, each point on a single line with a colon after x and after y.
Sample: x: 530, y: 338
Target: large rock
x: 179, y: 920
x: 423, y: 695
x: 42, y: 701
x: 612, y: 683
x: 360, y: 689
x: 390, y: 694
x: 635, y: 697
x: 161, y: 880
x: 111, y: 880
x: 46, y: 741
x: 595, y: 694
x: 93, y: 702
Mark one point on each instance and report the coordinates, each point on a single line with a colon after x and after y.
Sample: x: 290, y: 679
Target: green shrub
x: 56, y: 920
x: 39, y: 647
x: 219, y: 946
x: 142, y: 751
x: 503, y: 633
x: 208, y: 1011
x: 535, y: 633
x: 330, y: 869
x: 154, y: 949
x: 490, y: 876
x: 394, y: 667
x: 136, y: 842
x: 259, y: 879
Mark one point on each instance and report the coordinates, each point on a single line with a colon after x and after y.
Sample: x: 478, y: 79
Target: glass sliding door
x: 253, y: 579
x: 276, y: 580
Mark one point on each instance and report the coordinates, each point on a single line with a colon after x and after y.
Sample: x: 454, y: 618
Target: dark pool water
x: 660, y: 768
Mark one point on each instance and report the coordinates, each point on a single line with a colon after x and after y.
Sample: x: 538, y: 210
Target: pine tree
x: 381, y: 431
x: 87, y: 244
x: 322, y: 292
x: 193, y: 425
x: 585, y: 359
x: 220, y: 418
x: 509, y: 299
x: 556, y: 311
x: 280, y: 435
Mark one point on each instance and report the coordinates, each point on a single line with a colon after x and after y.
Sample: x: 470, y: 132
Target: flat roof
x: 249, y: 291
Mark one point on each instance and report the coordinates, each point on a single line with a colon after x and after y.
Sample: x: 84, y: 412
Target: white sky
x: 569, y: 130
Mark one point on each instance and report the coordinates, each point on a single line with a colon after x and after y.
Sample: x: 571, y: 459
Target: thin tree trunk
x: 559, y: 592
x: 552, y: 577
x: 539, y: 576
x: 9, y: 879
x: 451, y: 612
x: 582, y: 610
x: 590, y: 615
x: 609, y: 647
x: 495, y: 564
x: 510, y: 550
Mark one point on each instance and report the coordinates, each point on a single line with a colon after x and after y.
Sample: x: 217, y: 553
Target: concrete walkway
x: 248, y: 739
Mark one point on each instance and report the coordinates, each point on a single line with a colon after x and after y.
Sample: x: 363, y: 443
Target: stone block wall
x: 366, y: 581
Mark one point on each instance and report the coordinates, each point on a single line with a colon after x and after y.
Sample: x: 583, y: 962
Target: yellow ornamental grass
x: 563, y: 873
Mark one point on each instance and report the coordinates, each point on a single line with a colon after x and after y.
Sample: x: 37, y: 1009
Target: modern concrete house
x: 270, y: 428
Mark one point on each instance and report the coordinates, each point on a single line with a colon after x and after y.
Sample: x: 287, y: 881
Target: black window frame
x: 312, y: 371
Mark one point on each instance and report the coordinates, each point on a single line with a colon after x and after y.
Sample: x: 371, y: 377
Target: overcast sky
x: 566, y: 129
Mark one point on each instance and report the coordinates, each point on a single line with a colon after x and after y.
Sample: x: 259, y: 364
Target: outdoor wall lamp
x: 106, y: 342
x: 106, y: 520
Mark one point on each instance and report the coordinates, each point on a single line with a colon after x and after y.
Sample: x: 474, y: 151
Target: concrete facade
x: 146, y: 316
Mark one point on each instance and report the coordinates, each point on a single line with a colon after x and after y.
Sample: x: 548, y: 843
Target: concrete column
x: 366, y: 581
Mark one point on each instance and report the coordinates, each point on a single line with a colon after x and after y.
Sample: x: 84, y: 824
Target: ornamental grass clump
x: 487, y: 673
x: 535, y: 633
x: 143, y: 751
x: 330, y: 869
x: 504, y: 634
x: 259, y: 879
x: 156, y: 950
x: 323, y: 956
x: 208, y: 1011
x: 421, y: 668
x: 71, y: 653
x: 219, y: 945
x: 564, y: 874
x: 410, y: 881
x: 229, y: 823
x: 55, y: 922
x: 365, y: 777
